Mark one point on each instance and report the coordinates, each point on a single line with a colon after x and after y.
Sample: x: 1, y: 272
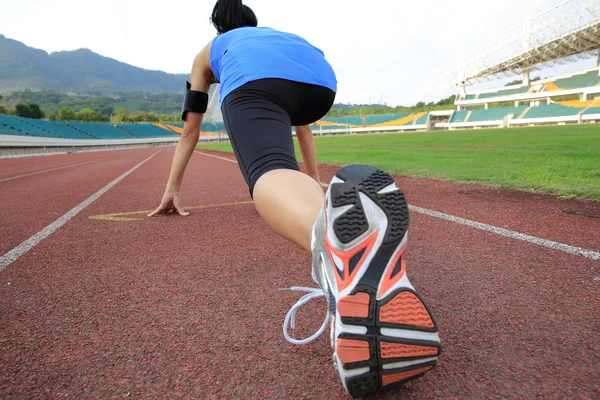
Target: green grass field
x: 563, y: 160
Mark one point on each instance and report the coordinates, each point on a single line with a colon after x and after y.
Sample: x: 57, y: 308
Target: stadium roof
x: 562, y: 34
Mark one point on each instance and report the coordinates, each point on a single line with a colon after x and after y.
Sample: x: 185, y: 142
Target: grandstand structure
x: 31, y: 136
x: 563, y: 34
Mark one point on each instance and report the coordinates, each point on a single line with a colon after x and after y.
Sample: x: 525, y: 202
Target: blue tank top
x: 247, y: 54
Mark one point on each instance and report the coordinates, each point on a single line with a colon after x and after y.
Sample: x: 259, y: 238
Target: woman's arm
x: 201, y: 78
x: 309, y: 153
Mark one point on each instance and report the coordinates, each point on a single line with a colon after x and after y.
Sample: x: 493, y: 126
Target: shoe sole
x: 384, y: 333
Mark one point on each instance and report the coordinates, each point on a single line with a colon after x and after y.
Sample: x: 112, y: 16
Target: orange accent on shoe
x: 351, y: 351
x: 406, y: 309
x: 388, y: 282
x: 355, y: 306
x: 346, y: 256
x: 398, y: 350
x: 400, y: 376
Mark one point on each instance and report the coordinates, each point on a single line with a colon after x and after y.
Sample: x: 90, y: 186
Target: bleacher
x: 581, y: 80
x: 592, y: 110
x: 502, y: 93
x: 61, y: 130
x: 551, y: 110
x: 99, y: 130
x: 422, y: 119
x: 578, y: 81
x: 459, y: 116
x: 495, y: 114
x: 356, y: 121
x: 384, y: 118
x: 408, y: 120
x: 22, y: 126
x: 145, y: 130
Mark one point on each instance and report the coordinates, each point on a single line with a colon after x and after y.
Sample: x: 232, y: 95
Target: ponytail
x: 232, y: 14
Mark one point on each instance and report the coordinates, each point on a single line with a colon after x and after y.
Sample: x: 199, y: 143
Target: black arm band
x: 193, y: 101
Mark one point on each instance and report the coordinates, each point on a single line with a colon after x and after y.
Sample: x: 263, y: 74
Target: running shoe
x: 382, y: 333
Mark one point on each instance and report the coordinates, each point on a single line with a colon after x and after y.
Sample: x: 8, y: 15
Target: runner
x: 381, y: 331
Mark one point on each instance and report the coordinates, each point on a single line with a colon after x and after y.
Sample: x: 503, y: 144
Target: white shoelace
x: 290, y: 318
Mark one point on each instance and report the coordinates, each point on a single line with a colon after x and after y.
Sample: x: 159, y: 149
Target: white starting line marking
x: 53, y: 169
x: 577, y: 251
x: 30, y: 243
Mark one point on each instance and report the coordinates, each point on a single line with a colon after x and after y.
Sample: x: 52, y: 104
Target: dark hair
x: 232, y: 14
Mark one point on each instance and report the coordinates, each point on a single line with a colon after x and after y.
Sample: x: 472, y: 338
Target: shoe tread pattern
x: 353, y: 223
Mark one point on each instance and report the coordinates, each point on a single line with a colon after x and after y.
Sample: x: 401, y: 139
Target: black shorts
x: 258, y: 117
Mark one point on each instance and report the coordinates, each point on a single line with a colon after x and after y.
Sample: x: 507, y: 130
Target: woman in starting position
x: 382, y: 333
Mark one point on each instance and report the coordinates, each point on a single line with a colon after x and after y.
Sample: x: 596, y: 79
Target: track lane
x: 33, y: 202
x: 568, y: 221
x: 565, y: 221
x: 19, y: 166
x: 189, y: 307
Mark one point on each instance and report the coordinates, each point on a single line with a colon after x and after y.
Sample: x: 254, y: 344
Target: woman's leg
x: 289, y: 202
x: 258, y: 117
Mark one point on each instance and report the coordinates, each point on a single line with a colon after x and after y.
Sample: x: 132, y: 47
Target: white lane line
x: 220, y: 158
x: 578, y: 251
x: 53, y: 169
x: 30, y: 243
x: 35, y: 165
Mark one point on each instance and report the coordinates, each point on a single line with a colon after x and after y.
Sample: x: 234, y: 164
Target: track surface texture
x: 113, y: 304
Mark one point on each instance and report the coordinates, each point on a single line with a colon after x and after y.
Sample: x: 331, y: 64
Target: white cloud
x: 379, y: 48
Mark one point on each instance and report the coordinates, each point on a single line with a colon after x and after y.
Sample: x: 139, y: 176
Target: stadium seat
x: 495, y: 114
x: 459, y: 116
x: 422, y: 118
x: 592, y: 110
x: 502, y: 93
x: 579, y: 81
x: 100, y: 130
x: 551, y: 110
x: 145, y: 130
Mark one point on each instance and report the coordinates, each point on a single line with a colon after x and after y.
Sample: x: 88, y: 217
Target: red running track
x: 117, y: 305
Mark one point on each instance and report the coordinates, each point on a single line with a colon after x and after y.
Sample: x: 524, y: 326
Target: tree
x: 2, y: 109
x: 88, y: 115
x: 66, y: 114
x: 35, y: 111
x: 29, y: 110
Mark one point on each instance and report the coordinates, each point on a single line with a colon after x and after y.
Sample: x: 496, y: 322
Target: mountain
x: 23, y: 67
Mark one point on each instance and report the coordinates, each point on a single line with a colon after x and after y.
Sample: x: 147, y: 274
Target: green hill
x: 83, y: 71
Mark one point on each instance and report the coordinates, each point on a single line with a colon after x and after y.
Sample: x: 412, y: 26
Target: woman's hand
x: 171, y: 201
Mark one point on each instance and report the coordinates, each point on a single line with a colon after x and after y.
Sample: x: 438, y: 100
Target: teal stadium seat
x: 352, y: 120
x: 62, y: 130
x: 593, y: 110
x: 459, y: 116
x: 206, y: 126
x: 551, y: 110
x: 579, y: 81
x: 146, y: 130
x: 23, y: 126
x: 382, y: 118
x: 422, y: 120
x: 100, y: 130
x: 495, y: 114
x: 501, y: 93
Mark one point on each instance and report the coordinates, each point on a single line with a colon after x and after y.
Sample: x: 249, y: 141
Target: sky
x: 383, y: 51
